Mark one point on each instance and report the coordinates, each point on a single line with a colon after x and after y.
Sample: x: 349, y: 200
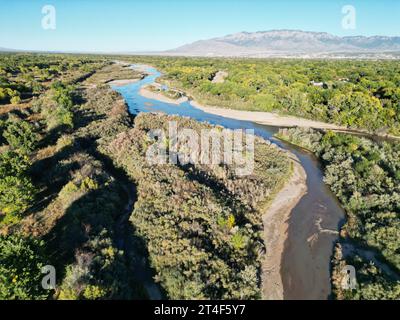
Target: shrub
x: 20, y: 136
x: 16, y: 189
x: 15, y: 100
x: 21, y: 260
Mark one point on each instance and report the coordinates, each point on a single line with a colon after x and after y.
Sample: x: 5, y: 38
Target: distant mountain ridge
x: 288, y: 42
x: 277, y: 43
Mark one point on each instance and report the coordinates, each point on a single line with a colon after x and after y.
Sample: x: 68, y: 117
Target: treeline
x: 356, y: 94
x: 365, y: 176
x: 201, y: 223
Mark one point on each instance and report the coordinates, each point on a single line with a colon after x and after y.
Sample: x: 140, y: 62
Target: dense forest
x: 365, y: 176
x: 356, y: 94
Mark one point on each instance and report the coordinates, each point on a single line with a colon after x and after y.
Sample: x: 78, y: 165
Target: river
x: 314, y: 222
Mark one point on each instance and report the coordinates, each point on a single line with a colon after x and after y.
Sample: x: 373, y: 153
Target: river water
x: 305, y: 267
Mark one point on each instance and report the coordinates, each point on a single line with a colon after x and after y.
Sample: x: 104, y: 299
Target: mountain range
x: 290, y: 43
x: 284, y: 43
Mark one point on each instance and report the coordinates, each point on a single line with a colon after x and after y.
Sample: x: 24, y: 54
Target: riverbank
x: 276, y: 223
x: 266, y: 118
x: 160, y: 97
x: 276, y: 120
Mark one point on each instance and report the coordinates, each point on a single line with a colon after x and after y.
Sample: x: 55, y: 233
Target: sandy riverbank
x: 266, y: 118
x: 160, y: 97
x: 276, y: 120
x: 276, y: 222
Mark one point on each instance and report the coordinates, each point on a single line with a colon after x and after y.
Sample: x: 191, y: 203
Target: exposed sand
x: 123, y: 82
x: 266, y: 118
x: 160, y: 97
x: 276, y: 222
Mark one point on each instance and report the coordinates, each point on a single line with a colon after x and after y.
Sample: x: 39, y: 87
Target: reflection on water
x: 305, y: 264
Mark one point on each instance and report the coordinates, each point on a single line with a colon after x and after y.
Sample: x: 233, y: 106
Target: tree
x: 356, y: 110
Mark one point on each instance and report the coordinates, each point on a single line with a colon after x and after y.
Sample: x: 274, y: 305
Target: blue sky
x: 141, y: 25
